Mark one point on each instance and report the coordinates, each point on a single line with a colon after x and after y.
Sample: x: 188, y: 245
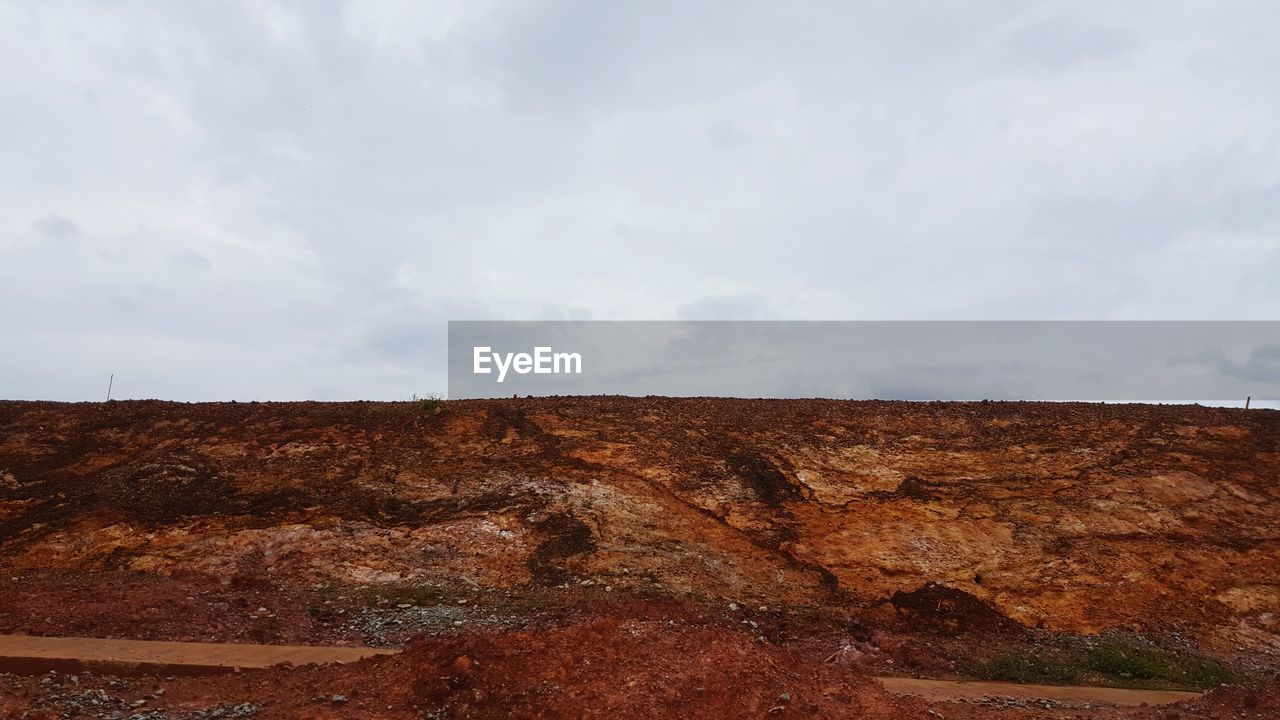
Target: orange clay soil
x: 881, y: 537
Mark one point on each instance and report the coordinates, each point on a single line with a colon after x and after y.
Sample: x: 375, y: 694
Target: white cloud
x: 281, y: 199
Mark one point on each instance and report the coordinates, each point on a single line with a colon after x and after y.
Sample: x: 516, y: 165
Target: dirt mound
x: 593, y: 669
x: 611, y: 669
x: 945, y: 609
x: 369, y: 522
x: 597, y: 669
x: 1260, y: 700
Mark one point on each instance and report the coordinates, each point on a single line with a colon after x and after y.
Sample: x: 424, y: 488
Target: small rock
x: 733, y: 607
x: 338, y: 699
x: 784, y: 697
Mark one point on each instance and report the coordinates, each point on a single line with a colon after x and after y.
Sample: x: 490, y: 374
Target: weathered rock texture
x: 1078, y: 517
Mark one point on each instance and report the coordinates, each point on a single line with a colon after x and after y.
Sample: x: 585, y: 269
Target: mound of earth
x: 912, y: 536
x: 652, y: 672
x: 1260, y: 700
x: 597, y: 669
x: 940, y: 608
x: 1078, y: 517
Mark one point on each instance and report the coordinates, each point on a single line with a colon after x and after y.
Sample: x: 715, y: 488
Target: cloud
x: 1062, y: 43
x: 271, y: 198
x: 1261, y: 366
x: 719, y: 307
x: 56, y: 227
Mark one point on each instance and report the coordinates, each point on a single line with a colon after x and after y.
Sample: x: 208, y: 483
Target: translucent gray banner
x: 1033, y: 360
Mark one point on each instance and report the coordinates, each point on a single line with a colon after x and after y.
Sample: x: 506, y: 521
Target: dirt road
x: 30, y: 654
x: 950, y: 690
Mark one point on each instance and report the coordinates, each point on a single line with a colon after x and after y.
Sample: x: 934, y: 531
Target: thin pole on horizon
x: 110, y: 381
x: 1246, y: 402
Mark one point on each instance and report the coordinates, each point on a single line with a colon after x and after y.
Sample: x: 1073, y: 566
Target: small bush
x: 431, y: 404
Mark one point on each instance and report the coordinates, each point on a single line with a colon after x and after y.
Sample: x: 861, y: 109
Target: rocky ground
x: 565, y: 557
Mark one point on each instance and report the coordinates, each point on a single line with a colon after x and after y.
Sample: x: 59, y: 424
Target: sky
x: 272, y: 201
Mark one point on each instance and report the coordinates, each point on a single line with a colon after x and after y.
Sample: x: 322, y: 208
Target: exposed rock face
x: 1066, y: 516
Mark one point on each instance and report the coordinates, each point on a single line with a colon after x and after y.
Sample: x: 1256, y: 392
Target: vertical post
x: 110, y: 381
x: 1246, y: 402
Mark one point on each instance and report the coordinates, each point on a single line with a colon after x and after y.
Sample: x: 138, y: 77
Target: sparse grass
x: 1136, y: 662
x: 388, y: 594
x: 401, y: 594
x: 1027, y: 667
x: 532, y: 601
x: 1115, y: 661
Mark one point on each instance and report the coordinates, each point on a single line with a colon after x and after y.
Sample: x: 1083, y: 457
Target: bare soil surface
x: 35, y: 654
x: 595, y: 669
x: 952, y: 690
x: 637, y: 539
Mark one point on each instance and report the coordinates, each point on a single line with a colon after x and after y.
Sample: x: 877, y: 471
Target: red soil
x: 895, y: 537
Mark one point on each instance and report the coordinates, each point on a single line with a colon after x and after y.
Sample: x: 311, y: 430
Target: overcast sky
x: 258, y: 200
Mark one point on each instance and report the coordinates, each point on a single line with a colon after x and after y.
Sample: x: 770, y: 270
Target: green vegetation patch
x: 1113, y: 661
x: 1028, y: 666
x: 1136, y: 662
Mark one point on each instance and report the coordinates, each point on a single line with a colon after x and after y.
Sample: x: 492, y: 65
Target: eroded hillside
x: 1075, y: 517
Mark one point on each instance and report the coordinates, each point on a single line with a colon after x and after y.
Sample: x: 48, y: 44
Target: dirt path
x: 31, y: 654
x: 953, y: 690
